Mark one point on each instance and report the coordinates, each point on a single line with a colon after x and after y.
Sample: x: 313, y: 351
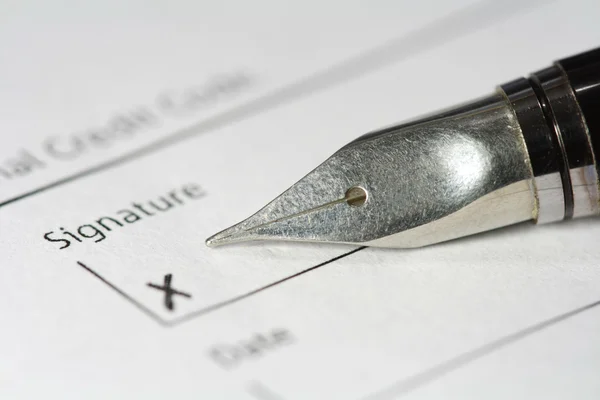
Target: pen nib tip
x: 216, y: 240
x: 232, y: 234
x: 210, y: 242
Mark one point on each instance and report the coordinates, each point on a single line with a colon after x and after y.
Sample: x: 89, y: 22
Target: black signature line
x: 212, y: 307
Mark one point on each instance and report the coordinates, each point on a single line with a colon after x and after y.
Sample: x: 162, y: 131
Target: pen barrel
x: 583, y: 74
x: 557, y: 109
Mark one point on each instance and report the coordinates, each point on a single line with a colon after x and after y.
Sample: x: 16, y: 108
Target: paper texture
x: 131, y: 132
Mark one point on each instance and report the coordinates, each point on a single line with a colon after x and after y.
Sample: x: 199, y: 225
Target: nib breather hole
x: 356, y: 196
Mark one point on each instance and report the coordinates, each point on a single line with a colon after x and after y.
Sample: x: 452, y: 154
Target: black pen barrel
x: 558, y: 110
x: 583, y: 73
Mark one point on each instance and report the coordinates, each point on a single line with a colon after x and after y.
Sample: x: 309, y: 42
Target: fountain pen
x: 529, y: 151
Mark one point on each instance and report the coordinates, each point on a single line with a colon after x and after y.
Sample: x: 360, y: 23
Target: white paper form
x: 133, y: 132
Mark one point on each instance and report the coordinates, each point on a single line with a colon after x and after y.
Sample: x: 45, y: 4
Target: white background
x: 376, y: 324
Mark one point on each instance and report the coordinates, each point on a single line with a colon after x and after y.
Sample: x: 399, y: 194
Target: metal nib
x: 241, y: 232
x: 450, y: 175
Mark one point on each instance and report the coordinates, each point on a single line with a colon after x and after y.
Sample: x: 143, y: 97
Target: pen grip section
x: 552, y: 107
x: 583, y: 73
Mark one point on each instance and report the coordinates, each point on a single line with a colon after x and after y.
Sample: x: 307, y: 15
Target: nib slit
x: 235, y: 234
